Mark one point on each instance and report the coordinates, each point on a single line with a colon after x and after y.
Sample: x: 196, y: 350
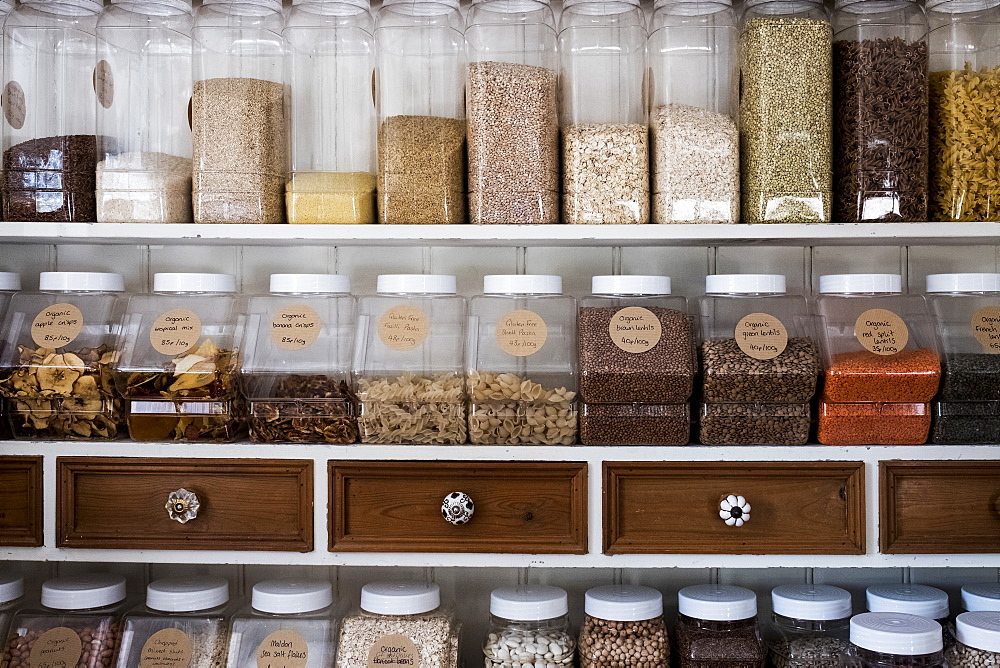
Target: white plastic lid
x: 983, y: 596
x: 81, y: 281
x: 836, y: 283
x: 405, y: 597
x: 83, y: 592
x: 896, y: 633
x: 980, y: 630
x: 719, y: 603
x: 187, y: 594
x: 815, y: 602
x: 10, y: 280
x: 745, y: 283
x: 623, y: 603
x: 11, y: 587
x: 185, y: 282
x: 912, y: 599
x: 529, y: 603
x: 522, y: 284
x: 417, y: 283
x: 310, y: 283
x: 290, y: 596
x: 630, y: 285
x: 963, y: 283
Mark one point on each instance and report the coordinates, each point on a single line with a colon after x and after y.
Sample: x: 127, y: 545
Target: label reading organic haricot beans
x: 175, y: 332
x: 56, y: 648
x: 57, y: 326
x: 283, y: 649
x: 403, y: 327
x: 986, y: 328
x: 295, y: 327
x: 635, y: 329
x: 761, y: 336
x: 521, y: 333
x: 881, y: 331
x: 167, y: 648
x: 393, y: 650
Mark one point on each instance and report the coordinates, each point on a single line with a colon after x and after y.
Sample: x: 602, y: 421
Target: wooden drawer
x: 21, y: 501
x: 520, y: 507
x: 245, y: 504
x: 939, y: 507
x: 673, y: 507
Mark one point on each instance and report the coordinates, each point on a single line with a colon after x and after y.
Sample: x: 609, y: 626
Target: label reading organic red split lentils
x: 881, y: 331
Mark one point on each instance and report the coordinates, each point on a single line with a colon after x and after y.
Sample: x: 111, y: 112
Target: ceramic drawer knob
x: 458, y: 508
x: 734, y: 510
x: 183, y: 505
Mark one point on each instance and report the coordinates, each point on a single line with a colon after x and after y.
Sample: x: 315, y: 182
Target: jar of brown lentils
x: 623, y: 627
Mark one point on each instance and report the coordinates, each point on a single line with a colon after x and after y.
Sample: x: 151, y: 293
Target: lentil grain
x: 732, y: 376
x: 863, y: 376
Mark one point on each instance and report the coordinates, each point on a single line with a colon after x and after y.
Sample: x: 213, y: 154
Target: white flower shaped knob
x: 458, y: 508
x: 735, y: 510
x: 182, y: 505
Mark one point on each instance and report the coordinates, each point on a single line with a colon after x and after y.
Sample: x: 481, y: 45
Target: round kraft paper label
x: 393, y: 650
x: 635, y: 329
x: 104, y: 83
x: 175, y: 332
x: 985, y: 327
x: 56, y: 648
x: 521, y: 333
x: 881, y: 331
x: 14, y: 109
x: 761, y: 336
x: 283, y: 649
x: 403, y: 327
x: 295, y: 327
x: 57, y: 326
x: 167, y: 648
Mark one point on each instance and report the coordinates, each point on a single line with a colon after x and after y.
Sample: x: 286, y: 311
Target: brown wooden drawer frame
x: 21, y: 485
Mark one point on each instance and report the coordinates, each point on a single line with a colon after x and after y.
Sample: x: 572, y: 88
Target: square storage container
x: 529, y: 625
x: 717, y: 628
x: 623, y: 627
x: 880, y: 639
x: 809, y: 626
x: 11, y: 596
x: 10, y: 283
x: 978, y: 640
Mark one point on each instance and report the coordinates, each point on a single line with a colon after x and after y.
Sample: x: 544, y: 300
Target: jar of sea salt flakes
x: 810, y: 626
x: 529, y: 627
x: 893, y: 640
x: 981, y: 597
x: 978, y: 640
x: 623, y: 627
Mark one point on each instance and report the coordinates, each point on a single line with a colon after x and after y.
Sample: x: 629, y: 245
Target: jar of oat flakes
x: 810, y: 626
x: 623, y: 627
x: 529, y: 625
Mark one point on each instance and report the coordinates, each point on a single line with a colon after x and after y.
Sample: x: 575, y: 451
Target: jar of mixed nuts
x: 77, y: 626
x: 10, y: 283
x: 913, y: 599
x: 529, y: 626
x: 981, y: 597
x: 623, y: 627
x: 810, y: 626
x: 56, y: 374
x: 978, y: 640
x: 717, y: 628
x: 882, y: 639
x: 11, y: 595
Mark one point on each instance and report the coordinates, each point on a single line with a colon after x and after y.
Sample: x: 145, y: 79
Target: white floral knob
x: 735, y: 510
x: 458, y: 508
x: 182, y: 505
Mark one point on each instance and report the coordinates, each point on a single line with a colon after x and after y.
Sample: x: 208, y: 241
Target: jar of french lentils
x: 623, y: 627
x: 529, y: 628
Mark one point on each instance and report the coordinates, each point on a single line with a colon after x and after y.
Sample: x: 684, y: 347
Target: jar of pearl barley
x: 623, y: 627
x: 529, y: 627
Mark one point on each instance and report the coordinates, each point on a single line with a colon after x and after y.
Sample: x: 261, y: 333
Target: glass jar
x: 56, y: 372
x: 810, y: 626
x: 420, y: 87
x: 881, y: 361
x: 880, y: 111
x: 893, y: 640
x: 759, y: 363
x: 399, y: 623
x: 978, y: 641
x: 10, y: 282
x: 511, y: 104
x: 623, y: 627
x: 289, y: 623
x: 605, y: 133
x: 50, y: 149
x: 717, y: 628
x: 529, y: 624
x: 178, y: 360
x: 239, y: 119
x: 786, y: 112
x: 185, y: 622
x: 330, y: 63
x: 296, y: 361
x: 984, y: 596
x: 408, y: 354
x: 964, y: 83
x: 913, y: 599
x: 694, y: 64
x: 966, y: 312
x: 78, y: 623
x: 144, y: 140
x: 638, y: 360
x: 11, y: 596
x: 521, y: 362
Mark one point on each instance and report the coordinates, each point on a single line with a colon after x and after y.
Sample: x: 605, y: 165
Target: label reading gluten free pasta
x: 167, y: 648
x: 57, y: 326
x: 635, y: 329
x: 521, y: 333
x: 881, y: 331
x: 403, y: 327
x: 761, y: 336
x: 56, y: 648
x: 175, y: 332
x: 295, y: 327
x: 394, y: 649
x: 283, y: 649
x: 985, y: 327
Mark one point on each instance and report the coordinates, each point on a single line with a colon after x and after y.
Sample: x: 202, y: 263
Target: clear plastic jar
x: 239, y: 119
x: 623, y: 627
x: 978, y: 643
x: 893, y: 640
x: 984, y: 596
x: 296, y: 361
x: 605, y: 134
x: 408, y: 356
x: 638, y: 360
x: 178, y: 360
x: 810, y: 626
x: 288, y: 623
x: 879, y: 348
x: 759, y: 362
x: 10, y: 282
x: 185, y: 622
x: 880, y: 111
x: 511, y: 102
x: 694, y: 63
x: 529, y: 624
x: 913, y: 599
x: 78, y: 623
x: 50, y: 149
x: 521, y: 362
x: 421, y: 110
x: 964, y: 88
x: 399, y: 623
x: 57, y: 374
x: 144, y: 140
x: 331, y: 61
x: 11, y: 596
x: 786, y: 112
x: 717, y: 628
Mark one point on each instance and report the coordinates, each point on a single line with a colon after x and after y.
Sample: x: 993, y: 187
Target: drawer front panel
x: 245, y: 504
x: 21, y: 501
x: 520, y: 507
x: 674, y: 508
